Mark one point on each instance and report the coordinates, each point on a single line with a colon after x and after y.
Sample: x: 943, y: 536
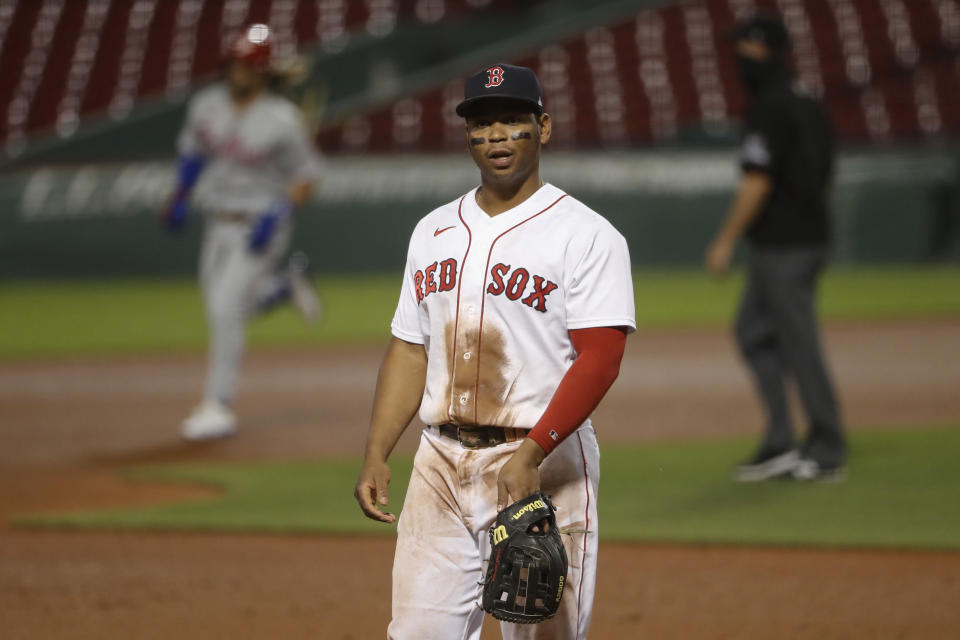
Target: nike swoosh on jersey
x: 439, y: 230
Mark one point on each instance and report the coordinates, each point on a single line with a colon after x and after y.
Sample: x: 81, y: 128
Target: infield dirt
x: 69, y: 427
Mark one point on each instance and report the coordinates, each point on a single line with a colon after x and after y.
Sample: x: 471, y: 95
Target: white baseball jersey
x: 252, y: 155
x: 492, y: 300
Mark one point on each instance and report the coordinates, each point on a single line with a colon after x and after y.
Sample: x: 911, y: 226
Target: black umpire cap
x: 765, y: 28
x: 502, y: 81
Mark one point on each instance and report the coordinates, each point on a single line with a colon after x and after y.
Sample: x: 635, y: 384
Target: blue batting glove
x: 175, y: 215
x: 266, y: 224
x: 188, y: 172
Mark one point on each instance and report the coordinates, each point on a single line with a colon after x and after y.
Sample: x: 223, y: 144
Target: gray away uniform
x: 252, y: 156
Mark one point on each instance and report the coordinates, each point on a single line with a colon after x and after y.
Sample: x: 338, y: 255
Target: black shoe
x: 809, y: 470
x: 766, y: 465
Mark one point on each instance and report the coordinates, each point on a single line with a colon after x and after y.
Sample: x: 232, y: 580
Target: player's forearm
x: 755, y: 186
x: 400, y: 385
x: 583, y: 386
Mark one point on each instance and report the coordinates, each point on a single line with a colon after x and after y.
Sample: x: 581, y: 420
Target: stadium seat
x: 885, y: 69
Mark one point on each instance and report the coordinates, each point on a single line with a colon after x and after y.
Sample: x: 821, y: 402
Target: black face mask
x: 756, y: 74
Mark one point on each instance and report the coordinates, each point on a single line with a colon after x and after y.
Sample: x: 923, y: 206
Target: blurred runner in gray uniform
x: 252, y: 160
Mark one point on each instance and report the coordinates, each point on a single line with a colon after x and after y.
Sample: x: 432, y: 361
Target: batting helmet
x: 253, y: 46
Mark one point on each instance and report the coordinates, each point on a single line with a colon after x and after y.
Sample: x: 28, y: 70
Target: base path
x: 68, y: 427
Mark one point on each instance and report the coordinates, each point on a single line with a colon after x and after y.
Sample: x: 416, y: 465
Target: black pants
x: 778, y: 335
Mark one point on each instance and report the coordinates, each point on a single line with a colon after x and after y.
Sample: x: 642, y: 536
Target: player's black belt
x: 479, y: 437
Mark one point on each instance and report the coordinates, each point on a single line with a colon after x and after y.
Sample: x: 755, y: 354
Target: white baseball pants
x: 235, y: 283
x: 443, y: 543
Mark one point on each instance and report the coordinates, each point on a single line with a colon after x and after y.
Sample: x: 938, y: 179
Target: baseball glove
x: 527, y: 569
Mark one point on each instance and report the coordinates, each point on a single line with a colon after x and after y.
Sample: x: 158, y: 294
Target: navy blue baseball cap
x: 502, y: 81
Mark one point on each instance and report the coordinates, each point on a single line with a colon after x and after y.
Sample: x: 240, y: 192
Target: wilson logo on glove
x: 536, y: 504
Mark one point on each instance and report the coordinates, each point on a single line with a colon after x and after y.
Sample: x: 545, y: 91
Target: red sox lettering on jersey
x: 493, y: 300
x: 441, y: 276
x: 516, y: 285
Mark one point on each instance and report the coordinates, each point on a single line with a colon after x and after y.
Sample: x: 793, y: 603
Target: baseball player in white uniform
x: 513, y: 314
x: 255, y: 163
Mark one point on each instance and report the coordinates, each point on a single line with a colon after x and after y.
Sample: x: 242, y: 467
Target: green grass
x: 50, y: 319
x: 903, y: 491
x: 288, y: 497
x: 55, y: 319
x: 690, y: 298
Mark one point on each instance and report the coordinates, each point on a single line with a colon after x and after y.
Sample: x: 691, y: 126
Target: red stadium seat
x: 886, y: 69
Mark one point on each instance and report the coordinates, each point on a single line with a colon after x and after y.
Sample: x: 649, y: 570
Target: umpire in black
x: 781, y: 208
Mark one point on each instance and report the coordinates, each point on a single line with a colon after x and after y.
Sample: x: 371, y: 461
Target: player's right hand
x: 371, y: 490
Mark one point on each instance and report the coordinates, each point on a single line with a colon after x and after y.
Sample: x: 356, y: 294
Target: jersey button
x: 463, y: 399
x: 466, y: 356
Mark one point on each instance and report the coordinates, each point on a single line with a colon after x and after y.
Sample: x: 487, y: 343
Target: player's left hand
x: 718, y: 256
x: 520, y: 476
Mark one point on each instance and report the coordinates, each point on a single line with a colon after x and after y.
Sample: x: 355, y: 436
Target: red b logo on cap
x: 494, y: 77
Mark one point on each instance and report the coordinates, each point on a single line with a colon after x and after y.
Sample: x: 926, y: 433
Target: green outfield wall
x: 102, y: 219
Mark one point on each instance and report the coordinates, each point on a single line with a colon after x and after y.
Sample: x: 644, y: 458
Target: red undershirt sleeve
x: 599, y: 352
